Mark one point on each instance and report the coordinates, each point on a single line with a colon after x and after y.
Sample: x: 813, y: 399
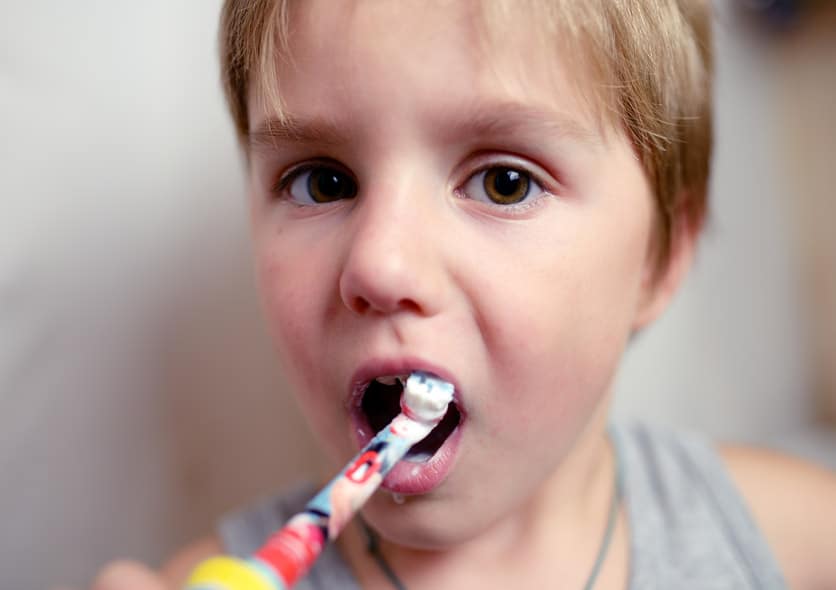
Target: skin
x: 528, y: 306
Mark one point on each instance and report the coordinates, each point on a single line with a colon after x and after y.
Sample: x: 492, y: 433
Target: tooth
x: 388, y: 380
x: 421, y: 457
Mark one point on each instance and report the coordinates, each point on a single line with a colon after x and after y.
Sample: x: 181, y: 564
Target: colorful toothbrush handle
x: 290, y: 552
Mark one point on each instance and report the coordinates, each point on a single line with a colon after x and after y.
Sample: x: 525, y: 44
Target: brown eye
x: 506, y: 186
x: 501, y: 185
x: 317, y: 185
x: 327, y: 184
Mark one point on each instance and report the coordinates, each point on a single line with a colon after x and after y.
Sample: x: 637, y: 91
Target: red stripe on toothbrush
x: 292, y: 551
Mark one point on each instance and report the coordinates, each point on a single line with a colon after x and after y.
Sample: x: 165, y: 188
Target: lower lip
x: 419, y: 478
x: 410, y: 478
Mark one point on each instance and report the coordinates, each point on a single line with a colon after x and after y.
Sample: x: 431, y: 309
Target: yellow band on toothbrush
x: 228, y: 573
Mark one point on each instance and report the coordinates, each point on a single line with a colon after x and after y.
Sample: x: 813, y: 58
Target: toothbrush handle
x: 290, y: 552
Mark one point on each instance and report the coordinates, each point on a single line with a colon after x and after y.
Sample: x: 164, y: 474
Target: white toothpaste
x: 426, y: 397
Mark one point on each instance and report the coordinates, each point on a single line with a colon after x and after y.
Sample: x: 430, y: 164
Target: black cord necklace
x: 373, y: 541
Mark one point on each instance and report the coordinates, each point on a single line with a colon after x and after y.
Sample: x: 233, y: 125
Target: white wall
x: 731, y: 355
x: 749, y: 345
x: 138, y: 389
x: 139, y: 393
x: 807, y: 99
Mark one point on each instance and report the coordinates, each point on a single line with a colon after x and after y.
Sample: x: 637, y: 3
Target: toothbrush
x: 289, y: 553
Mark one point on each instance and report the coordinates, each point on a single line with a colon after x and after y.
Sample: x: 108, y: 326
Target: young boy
x: 501, y: 193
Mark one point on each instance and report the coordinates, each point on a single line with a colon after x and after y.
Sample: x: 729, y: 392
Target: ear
x: 659, y: 285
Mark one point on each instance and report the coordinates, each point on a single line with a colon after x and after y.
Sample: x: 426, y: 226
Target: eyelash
x: 531, y: 200
x: 289, y: 176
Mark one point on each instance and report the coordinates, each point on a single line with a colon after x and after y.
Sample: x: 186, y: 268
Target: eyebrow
x: 482, y: 120
x: 508, y: 118
x: 288, y: 129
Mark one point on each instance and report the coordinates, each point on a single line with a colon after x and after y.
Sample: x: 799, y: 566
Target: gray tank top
x: 689, y: 527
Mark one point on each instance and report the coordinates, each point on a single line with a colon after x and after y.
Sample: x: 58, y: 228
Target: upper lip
x: 383, y: 367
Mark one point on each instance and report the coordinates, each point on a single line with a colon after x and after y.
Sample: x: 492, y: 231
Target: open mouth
x: 381, y: 402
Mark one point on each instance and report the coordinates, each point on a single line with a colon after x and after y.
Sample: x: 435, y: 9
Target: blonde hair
x: 652, y: 61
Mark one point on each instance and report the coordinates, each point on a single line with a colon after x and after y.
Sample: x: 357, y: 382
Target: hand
x: 129, y: 575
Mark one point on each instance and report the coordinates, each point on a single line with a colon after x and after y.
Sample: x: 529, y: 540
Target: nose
x: 391, y: 261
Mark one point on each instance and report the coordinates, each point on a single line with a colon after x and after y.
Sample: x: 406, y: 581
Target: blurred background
x: 139, y: 394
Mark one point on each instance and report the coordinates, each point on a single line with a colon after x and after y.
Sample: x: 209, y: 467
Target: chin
x: 423, y: 523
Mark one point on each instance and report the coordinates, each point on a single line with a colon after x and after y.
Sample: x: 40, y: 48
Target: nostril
x: 360, y: 305
x: 409, y: 305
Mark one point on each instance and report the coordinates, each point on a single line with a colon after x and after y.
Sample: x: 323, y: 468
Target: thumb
x: 128, y: 575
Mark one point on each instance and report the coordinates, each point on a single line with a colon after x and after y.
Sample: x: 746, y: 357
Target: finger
x: 128, y: 575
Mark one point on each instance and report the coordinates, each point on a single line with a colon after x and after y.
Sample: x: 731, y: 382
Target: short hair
x: 651, y: 60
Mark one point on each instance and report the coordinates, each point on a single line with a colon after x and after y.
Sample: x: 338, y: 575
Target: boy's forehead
x: 449, y: 51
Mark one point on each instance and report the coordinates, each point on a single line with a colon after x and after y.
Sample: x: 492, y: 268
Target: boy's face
x: 402, y: 236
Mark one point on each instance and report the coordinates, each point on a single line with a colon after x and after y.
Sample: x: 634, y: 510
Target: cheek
x: 557, y: 343
x: 281, y: 297
x: 288, y: 289
x: 293, y: 299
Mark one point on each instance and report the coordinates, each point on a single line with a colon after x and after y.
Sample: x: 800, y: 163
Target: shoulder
x: 794, y: 504
x: 179, y: 566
